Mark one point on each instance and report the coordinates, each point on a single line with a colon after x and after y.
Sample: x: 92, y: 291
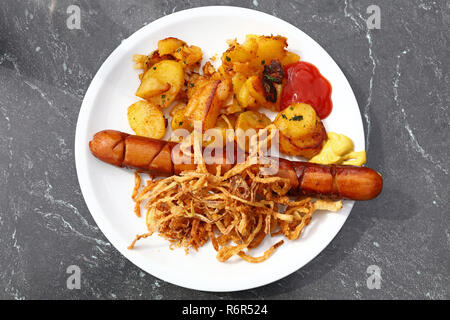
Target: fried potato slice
x: 169, y: 45
x: 206, y: 102
x: 290, y: 58
x: 167, y: 72
x: 249, y: 120
x: 189, y: 56
x: 152, y: 87
x: 269, y: 48
x: 179, y: 120
x: 146, y: 120
x: 302, y: 133
x: 297, y: 120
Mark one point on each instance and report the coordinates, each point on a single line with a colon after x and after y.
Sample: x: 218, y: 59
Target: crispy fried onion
x: 240, y: 206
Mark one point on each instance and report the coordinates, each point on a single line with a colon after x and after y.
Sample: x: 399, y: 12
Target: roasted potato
x: 146, y: 120
x: 223, y: 123
x: 269, y: 48
x: 165, y: 72
x: 179, y: 120
x: 290, y: 58
x: 169, y: 45
x: 287, y: 147
x: 206, y: 102
x: 151, y: 87
x: 249, y: 120
x: 238, y: 81
x: 301, y: 131
x: 189, y: 56
x: 252, y: 120
x: 245, y: 99
x: 297, y: 120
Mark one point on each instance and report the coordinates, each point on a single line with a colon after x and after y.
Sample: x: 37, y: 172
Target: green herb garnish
x: 228, y: 58
x: 270, y: 78
x: 284, y: 116
x: 263, y: 62
x: 191, y: 85
x: 296, y: 118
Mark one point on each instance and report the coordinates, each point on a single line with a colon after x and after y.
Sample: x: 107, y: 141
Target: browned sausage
x: 156, y: 156
x: 333, y: 181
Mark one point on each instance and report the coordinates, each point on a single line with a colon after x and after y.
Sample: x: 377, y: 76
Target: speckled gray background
x: 400, y: 75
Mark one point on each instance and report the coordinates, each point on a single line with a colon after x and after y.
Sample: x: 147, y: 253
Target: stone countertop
x: 399, y: 73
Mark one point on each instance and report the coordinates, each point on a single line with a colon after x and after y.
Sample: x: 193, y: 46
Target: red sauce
x: 306, y: 84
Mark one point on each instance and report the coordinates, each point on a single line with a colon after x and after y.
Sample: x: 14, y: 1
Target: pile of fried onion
x: 236, y: 210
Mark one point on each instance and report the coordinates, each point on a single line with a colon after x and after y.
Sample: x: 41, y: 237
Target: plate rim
x: 83, y: 120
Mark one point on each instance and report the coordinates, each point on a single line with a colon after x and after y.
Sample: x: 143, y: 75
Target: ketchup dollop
x: 306, y: 84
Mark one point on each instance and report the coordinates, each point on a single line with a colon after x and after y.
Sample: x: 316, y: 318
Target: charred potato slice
x: 167, y: 72
x: 287, y: 147
x: 206, y: 102
x: 312, y: 140
x: 146, y: 120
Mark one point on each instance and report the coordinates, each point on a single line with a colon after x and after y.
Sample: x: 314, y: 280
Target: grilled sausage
x: 156, y: 156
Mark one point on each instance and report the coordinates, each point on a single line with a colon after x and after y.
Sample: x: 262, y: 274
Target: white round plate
x: 107, y: 189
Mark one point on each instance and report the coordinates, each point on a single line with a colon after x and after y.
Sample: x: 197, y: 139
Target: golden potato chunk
x: 179, y: 120
x: 166, y: 72
x: 152, y: 87
x: 169, y: 45
x: 301, y: 131
x: 297, y: 120
x: 246, y: 121
x: 146, y: 120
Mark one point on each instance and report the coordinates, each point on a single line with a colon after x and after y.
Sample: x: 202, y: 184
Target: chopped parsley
x: 263, y: 62
x: 181, y: 123
x: 178, y: 50
x: 154, y: 68
x: 191, y: 85
x: 284, y: 116
x: 269, y: 77
x: 292, y: 108
x: 296, y: 118
x: 163, y: 96
x: 228, y: 58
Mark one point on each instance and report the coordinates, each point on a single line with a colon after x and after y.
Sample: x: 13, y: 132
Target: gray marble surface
x: 399, y: 73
